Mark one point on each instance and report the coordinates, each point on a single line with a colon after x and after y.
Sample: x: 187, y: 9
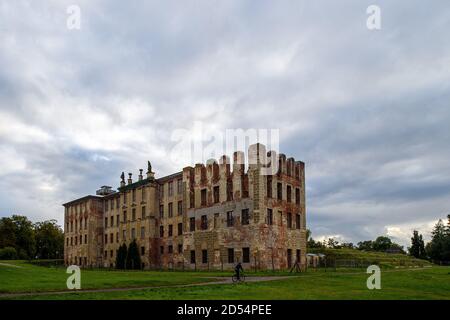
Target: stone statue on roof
x: 149, y: 166
x: 122, y: 176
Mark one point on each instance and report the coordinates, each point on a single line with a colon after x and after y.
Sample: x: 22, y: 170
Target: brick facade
x: 205, y: 217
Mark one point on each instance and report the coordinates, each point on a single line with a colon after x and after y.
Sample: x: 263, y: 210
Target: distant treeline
x: 437, y: 250
x: 22, y: 239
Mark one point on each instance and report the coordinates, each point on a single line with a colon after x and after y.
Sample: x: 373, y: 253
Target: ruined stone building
x: 204, y: 217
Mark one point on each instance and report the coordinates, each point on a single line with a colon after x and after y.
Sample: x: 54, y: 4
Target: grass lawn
x: 20, y: 276
x: 404, y: 283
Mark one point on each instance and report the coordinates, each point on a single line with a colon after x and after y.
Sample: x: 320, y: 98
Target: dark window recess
x: 269, y: 216
x: 229, y: 190
x: 192, y: 224
x: 170, y: 230
x: 289, y: 258
x: 216, y: 194
x: 161, y: 249
x: 180, y: 208
x: 192, y: 256
x: 245, y: 255
x: 279, y: 191
x: 180, y: 229
x: 180, y: 248
x: 142, y: 251
x: 245, y: 218
x: 289, y: 220
x: 269, y: 186
x: 230, y: 219
x: 297, y: 221
x: 204, y: 256
x: 170, y: 249
x: 297, y: 195
x: 161, y: 231
x: 230, y: 255
x: 289, y: 193
x: 203, y: 197
x: 204, y: 222
x: 170, y: 210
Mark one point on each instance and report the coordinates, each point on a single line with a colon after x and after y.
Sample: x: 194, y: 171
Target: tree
x: 133, y: 260
x: 365, y: 245
x: 7, y: 233
x: 121, y: 257
x: 348, y: 245
x: 49, y: 240
x: 310, y: 243
x: 332, y: 243
x: 439, y: 247
x: 417, y: 248
x: 382, y: 243
x: 25, y: 241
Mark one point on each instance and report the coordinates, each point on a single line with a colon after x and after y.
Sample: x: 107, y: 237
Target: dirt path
x: 9, y: 265
x: 220, y: 280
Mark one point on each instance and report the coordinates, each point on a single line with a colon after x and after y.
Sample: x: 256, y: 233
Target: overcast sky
x: 366, y: 110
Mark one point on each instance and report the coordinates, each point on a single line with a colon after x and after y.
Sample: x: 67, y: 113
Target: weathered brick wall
x: 268, y: 244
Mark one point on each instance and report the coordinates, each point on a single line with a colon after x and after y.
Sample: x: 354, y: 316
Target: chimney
x: 130, y: 181
x: 140, y: 174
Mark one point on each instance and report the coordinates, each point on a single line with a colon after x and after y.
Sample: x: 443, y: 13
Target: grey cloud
x: 367, y: 111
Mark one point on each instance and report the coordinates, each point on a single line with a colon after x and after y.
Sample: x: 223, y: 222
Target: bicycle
x: 241, y: 278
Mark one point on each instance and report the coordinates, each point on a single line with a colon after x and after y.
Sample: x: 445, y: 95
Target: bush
x: 8, y: 253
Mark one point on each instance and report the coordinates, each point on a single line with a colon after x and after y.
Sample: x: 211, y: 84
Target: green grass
x: 402, y: 283
x: 382, y: 259
x: 27, y: 277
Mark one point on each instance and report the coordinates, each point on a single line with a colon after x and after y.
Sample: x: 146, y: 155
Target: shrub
x: 8, y: 253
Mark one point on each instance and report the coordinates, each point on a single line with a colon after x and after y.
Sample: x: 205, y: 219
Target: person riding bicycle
x: 238, y: 268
